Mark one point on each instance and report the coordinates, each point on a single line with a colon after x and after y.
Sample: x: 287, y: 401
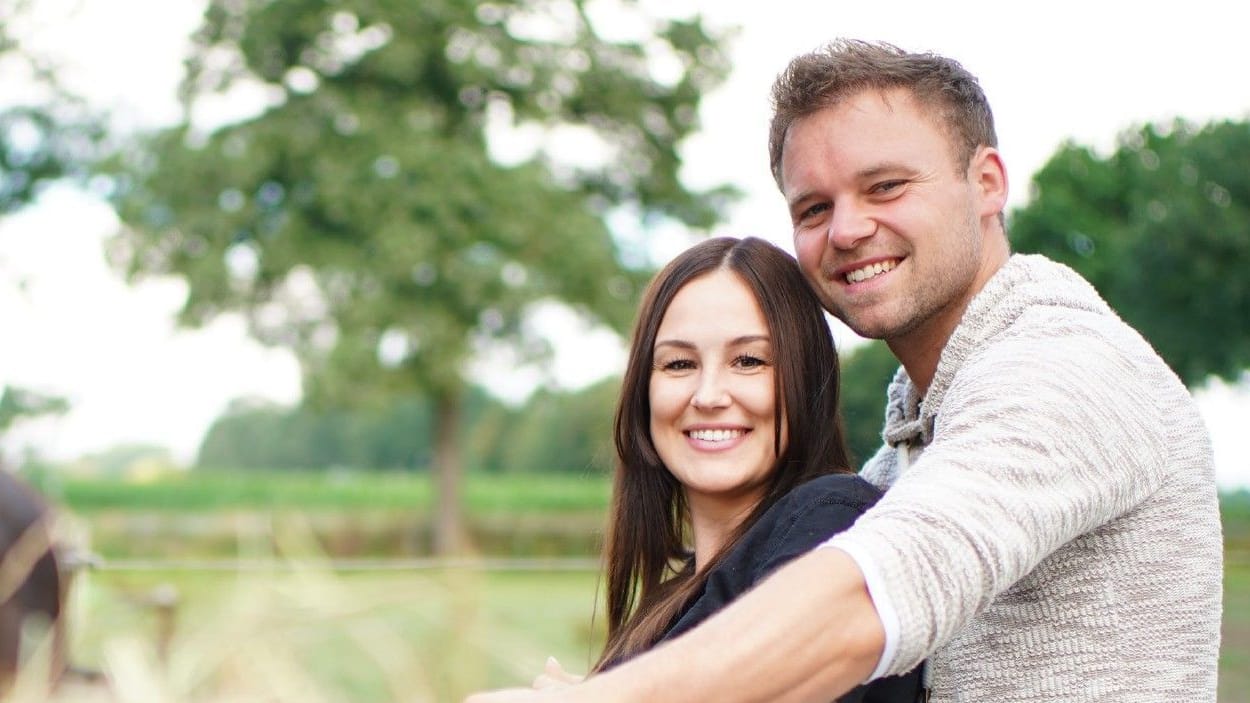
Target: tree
x: 360, y: 218
x: 563, y: 431
x: 1161, y: 227
x: 866, y: 373
x: 46, y: 132
x: 17, y: 404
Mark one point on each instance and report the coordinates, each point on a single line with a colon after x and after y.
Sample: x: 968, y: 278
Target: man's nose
x: 849, y: 224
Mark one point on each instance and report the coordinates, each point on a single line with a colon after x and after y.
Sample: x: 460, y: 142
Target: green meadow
x: 280, y: 586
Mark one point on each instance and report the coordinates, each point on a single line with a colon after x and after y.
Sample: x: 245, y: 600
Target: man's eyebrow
x: 866, y: 173
x: 879, y: 169
x: 793, y: 202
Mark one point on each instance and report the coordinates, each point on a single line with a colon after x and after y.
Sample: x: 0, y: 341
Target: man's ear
x: 988, y: 175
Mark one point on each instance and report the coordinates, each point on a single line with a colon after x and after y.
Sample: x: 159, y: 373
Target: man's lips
x: 865, y: 270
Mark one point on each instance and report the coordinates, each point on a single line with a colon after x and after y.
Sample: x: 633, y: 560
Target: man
x: 1051, y: 529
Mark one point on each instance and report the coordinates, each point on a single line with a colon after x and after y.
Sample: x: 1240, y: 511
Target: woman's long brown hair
x: 650, y: 575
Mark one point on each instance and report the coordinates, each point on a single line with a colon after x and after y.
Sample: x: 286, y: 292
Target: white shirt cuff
x: 880, y: 600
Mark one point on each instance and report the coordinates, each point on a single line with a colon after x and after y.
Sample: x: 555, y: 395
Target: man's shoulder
x: 1046, y: 337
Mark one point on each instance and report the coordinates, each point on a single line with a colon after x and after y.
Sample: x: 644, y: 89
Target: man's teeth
x: 715, y: 435
x: 869, y: 271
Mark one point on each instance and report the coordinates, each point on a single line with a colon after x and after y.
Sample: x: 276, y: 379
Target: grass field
x: 207, y: 491
x: 379, y: 636
x: 300, y: 632
x: 311, y: 636
x: 1235, y: 643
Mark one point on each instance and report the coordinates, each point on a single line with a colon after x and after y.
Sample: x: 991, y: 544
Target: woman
x: 731, y: 456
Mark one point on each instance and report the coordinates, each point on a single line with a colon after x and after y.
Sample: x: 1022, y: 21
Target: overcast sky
x: 1053, y: 71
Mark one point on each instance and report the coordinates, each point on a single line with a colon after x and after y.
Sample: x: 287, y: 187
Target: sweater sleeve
x: 1037, y: 441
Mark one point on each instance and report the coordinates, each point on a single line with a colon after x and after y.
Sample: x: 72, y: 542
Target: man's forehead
x: 886, y: 102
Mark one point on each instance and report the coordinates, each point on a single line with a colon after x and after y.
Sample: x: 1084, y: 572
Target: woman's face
x: 711, y: 391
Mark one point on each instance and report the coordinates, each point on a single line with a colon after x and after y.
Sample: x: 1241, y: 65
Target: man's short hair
x: 846, y: 67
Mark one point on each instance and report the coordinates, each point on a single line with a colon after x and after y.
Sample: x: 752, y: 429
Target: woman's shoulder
x: 850, y: 490
x: 808, y: 515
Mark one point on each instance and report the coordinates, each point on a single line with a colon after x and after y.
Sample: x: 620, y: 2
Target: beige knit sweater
x: 1052, y: 532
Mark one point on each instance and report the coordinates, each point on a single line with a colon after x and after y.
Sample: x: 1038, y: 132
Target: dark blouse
x: 801, y: 520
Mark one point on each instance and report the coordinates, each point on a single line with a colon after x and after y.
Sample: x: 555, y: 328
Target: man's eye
x: 814, y: 210
x: 887, y: 186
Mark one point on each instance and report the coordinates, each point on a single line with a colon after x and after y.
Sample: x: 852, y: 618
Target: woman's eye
x: 749, y: 362
x: 677, y: 365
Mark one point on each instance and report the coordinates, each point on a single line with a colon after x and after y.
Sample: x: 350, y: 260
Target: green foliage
x: 46, y: 133
x: 555, y: 431
x: 258, y: 435
x: 137, y: 458
x: 866, y: 373
x: 1160, y: 228
x: 19, y: 403
x: 360, y: 218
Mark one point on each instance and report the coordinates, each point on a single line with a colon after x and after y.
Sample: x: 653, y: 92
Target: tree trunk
x: 450, y: 537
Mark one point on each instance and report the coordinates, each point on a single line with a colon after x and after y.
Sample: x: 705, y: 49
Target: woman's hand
x: 547, y: 687
x: 554, y: 676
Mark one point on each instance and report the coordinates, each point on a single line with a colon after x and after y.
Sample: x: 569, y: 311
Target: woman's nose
x: 712, y: 392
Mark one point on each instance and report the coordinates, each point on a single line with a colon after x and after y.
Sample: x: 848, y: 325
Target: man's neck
x: 920, y: 350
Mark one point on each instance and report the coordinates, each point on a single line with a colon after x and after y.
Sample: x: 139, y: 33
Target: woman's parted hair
x: 647, y: 559
x: 845, y: 67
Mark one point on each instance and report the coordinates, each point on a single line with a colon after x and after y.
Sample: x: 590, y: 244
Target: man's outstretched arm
x: 809, y: 632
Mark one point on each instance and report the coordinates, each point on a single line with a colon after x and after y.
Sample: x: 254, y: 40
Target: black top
x: 801, y: 520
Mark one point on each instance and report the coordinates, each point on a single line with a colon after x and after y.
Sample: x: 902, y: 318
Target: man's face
x: 887, y: 228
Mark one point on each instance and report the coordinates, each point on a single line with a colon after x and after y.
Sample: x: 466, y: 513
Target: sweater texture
x: 1051, y: 527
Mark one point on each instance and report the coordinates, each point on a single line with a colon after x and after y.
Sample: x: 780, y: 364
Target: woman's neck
x: 712, y: 523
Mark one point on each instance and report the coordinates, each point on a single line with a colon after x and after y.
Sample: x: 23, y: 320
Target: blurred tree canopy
x: 866, y: 373
x: 361, y: 217
x: 21, y: 403
x: 1161, y: 227
x: 46, y: 132
x: 554, y: 431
